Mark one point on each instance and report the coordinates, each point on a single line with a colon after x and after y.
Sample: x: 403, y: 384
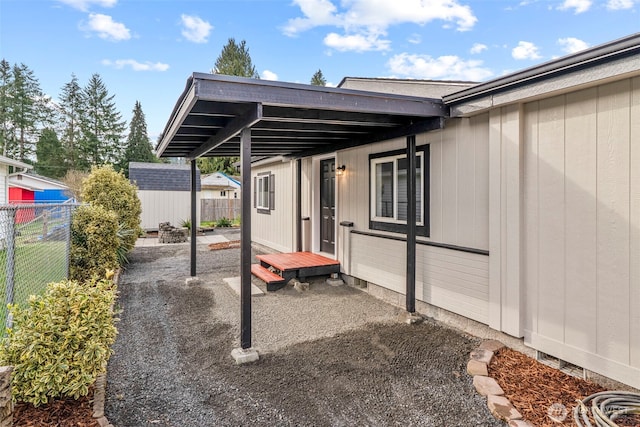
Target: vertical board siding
x: 551, y: 218
x: 276, y: 229
x: 453, y: 280
x: 162, y: 206
x: 530, y: 216
x: 634, y: 248
x: 580, y: 220
x: 581, y: 227
x: 613, y: 220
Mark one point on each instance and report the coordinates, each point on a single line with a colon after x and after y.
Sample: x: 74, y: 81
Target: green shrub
x: 112, y: 190
x: 186, y: 223
x: 223, y: 222
x: 94, y: 242
x: 61, y: 341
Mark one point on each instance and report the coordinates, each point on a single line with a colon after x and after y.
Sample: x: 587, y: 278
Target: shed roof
x: 287, y: 119
x: 162, y: 176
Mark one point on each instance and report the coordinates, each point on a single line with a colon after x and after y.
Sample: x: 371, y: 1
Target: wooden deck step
x: 268, y: 276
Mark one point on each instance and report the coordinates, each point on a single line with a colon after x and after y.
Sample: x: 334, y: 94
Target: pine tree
x: 138, y: 144
x: 6, y: 83
x: 102, y: 126
x: 234, y: 60
x: 50, y: 155
x: 318, y: 79
x: 70, y: 112
x: 26, y: 109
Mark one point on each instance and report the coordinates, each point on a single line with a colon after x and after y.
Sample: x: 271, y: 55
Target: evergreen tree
x: 234, y: 60
x: 217, y: 164
x: 70, y: 112
x: 6, y: 83
x: 318, y: 79
x: 102, y: 126
x: 26, y: 109
x: 50, y: 155
x: 138, y: 144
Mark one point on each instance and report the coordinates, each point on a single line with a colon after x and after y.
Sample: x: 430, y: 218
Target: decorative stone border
x: 498, y: 404
x: 98, y: 401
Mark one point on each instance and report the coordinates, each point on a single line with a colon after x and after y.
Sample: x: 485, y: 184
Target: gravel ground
x: 330, y: 356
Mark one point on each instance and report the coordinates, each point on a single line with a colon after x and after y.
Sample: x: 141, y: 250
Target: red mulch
x: 58, y: 413
x: 532, y: 387
x: 225, y: 245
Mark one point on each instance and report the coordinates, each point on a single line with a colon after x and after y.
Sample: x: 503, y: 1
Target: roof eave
x: 618, y: 48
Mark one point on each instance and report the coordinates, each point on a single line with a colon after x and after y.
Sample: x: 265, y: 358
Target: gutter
x: 625, y: 46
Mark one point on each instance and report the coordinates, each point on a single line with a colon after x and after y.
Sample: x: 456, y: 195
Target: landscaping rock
x: 502, y: 409
x: 475, y: 367
x: 487, y: 386
x: 482, y: 355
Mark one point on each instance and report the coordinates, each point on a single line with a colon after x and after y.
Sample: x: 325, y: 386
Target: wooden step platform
x: 291, y: 265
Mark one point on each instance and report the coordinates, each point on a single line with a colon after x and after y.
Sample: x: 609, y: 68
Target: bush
x: 112, y: 190
x: 94, y: 242
x: 61, y: 341
x: 223, y: 222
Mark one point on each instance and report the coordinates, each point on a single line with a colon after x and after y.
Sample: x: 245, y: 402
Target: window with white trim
x: 264, y: 192
x: 389, y: 201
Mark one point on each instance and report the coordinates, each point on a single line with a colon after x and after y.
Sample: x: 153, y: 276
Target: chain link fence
x: 34, y: 251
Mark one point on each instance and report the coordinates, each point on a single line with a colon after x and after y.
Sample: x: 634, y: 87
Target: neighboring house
x: 164, y: 192
x: 219, y: 185
x: 527, y: 193
x: 220, y: 197
x: 5, y: 164
x: 32, y: 188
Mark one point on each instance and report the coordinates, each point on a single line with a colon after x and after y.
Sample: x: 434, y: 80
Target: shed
x: 164, y: 190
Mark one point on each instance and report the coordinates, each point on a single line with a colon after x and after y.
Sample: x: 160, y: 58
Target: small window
x: 223, y: 193
x: 389, y: 201
x: 235, y: 194
x: 264, y: 192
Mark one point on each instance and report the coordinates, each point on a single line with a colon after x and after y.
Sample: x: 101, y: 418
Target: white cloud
x: 478, y: 48
x: 135, y: 65
x: 85, y: 4
x: 268, y: 75
x: 356, y: 42
x: 364, y: 21
x: 415, y: 38
x: 526, y: 50
x: 578, y: 6
x: 449, y: 67
x: 106, y: 27
x: 572, y: 44
x: 195, y: 29
x: 620, y: 4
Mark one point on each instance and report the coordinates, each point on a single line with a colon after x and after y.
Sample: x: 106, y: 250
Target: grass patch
x: 36, y: 264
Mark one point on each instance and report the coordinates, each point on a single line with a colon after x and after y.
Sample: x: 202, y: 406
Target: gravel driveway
x: 330, y: 356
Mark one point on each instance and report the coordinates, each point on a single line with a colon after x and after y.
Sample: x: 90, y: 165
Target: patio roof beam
x: 235, y: 126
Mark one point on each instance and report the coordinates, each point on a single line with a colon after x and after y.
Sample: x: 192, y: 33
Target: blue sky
x: 146, y: 49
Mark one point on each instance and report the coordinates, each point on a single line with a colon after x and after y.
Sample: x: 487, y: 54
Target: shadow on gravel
x: 172, y: 363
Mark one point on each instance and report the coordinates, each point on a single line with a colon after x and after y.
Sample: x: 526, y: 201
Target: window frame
x: 264, y: 201
x: 393, y: 224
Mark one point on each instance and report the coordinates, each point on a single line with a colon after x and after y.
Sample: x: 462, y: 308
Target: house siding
x: 459, y: 216
x: 581, y: 228
x: 276, y: 229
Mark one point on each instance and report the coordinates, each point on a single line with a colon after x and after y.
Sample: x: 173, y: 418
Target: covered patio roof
x: 287, y: 119
x: 220, y: 115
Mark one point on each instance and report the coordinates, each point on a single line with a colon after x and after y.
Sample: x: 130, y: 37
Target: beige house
x: 527, y: 204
